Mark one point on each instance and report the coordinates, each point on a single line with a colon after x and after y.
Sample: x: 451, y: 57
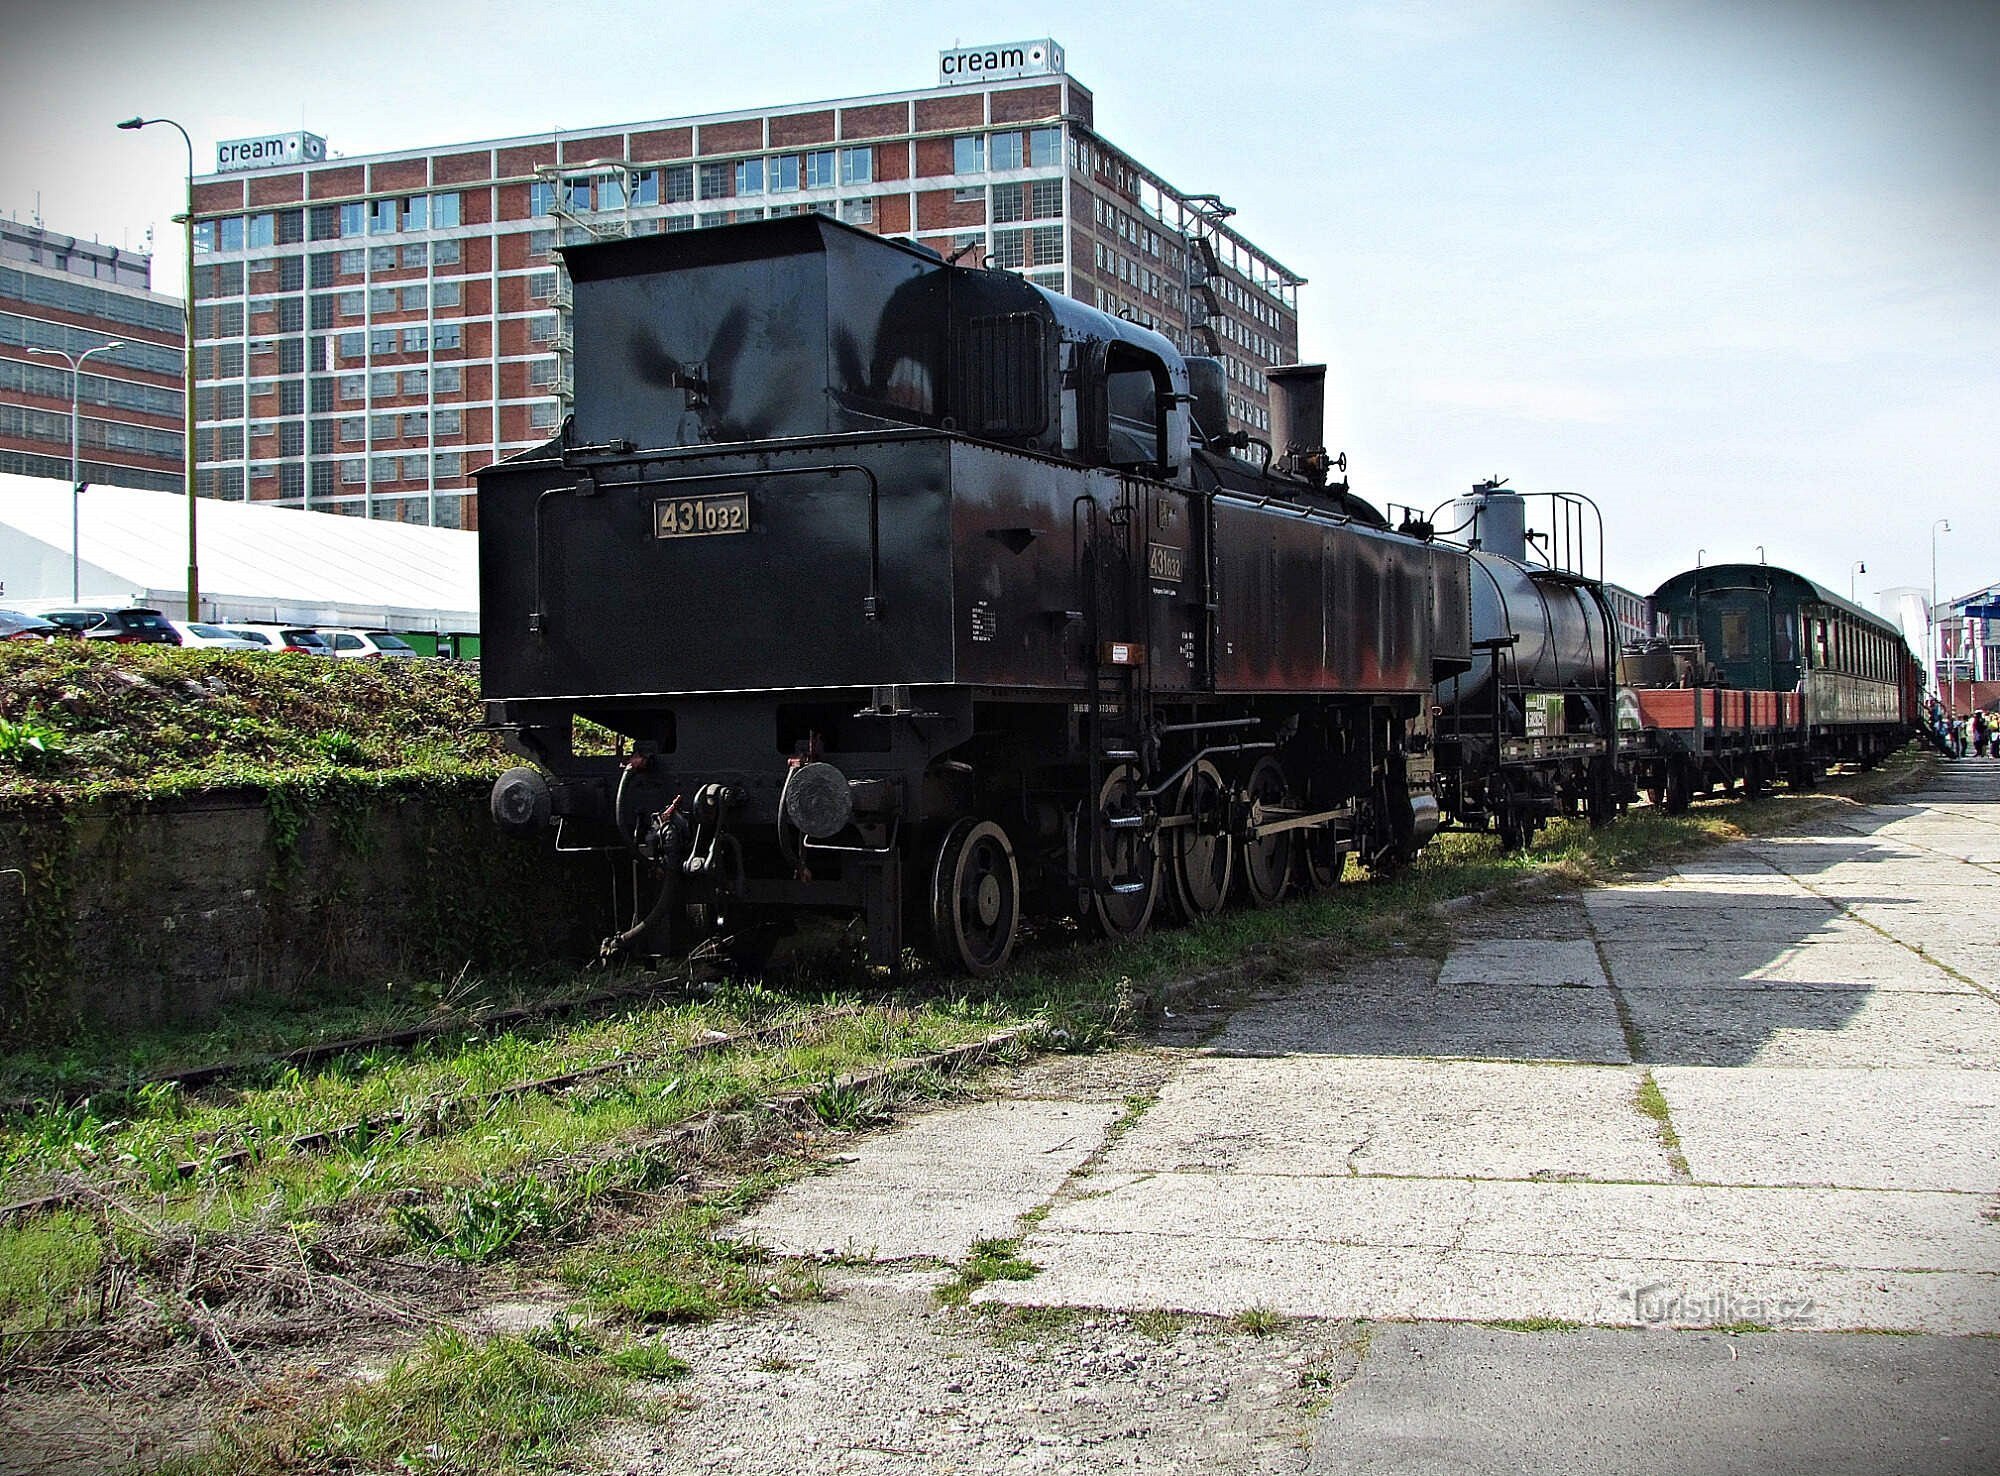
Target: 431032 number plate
x: 701, y: 517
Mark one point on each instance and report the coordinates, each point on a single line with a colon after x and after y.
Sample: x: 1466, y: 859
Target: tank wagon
x: 917, y: 594
x: 1529, y: 730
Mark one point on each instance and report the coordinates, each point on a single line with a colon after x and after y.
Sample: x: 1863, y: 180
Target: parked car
x: 18, y: 626
x: 213, y: 637
x: 296, y: 638
x: 128, y: 627
x: 367, y: 645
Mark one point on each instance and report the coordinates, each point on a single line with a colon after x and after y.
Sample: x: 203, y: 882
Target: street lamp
x: 1860, y: 566
x: 75, y: 363
x: 187, y: 370
x: 1936, y: 636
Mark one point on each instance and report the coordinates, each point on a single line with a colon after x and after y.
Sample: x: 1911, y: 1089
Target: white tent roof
x: 257, y: 562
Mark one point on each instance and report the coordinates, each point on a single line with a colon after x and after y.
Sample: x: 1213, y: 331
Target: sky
x: 1730, y: 269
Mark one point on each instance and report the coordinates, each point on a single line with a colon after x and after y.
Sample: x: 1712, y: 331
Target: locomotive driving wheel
x: 1119, y: 885
x: 1267, y: 861
x: 975, y: 898
x: 1202, y: 855
x: 1322, y: 861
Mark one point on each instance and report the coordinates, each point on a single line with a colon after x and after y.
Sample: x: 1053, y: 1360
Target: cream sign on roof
x: 1008, y: 59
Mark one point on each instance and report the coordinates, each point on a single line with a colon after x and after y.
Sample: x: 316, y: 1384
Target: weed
x: 456, y: 1407
x: 29, y: 742
x: 1258, y: 1321
x: 484, y: 1222
x: 1534, y: 1324
x: 680, y: 1271
x: 650, y: 1361
x: 845, y: 1108
x: 988, y: 1260
x: 1650, y: 1100
x: 46, y: 1266
x: 1158, y: 1324
x: 775, y: 1363
x: 1320, y: 1373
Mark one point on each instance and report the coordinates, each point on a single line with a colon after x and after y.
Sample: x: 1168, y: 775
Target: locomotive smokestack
x: 1298, y: 419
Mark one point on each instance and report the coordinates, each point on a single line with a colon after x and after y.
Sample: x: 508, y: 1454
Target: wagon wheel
x: 1267, y: 863
x: 1754, y: 778
x: 1321, y: 860
x: 975, y: 898
x: 1679, y: 791
x: 1129, y: 856
x: 1202, y: 855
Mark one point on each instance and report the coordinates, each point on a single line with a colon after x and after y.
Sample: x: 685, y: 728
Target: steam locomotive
x: 917, y: 593
x: 912, y: 593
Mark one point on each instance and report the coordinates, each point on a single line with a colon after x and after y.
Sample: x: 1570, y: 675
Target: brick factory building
x: 370, y: 331
x: 62, y: 295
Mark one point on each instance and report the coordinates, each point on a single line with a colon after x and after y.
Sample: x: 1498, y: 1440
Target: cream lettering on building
x: 963, y: 64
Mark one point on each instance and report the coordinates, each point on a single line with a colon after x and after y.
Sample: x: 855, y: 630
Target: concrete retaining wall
x: 162, y: 913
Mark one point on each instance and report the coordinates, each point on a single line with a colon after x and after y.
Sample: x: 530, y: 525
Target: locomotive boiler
x: 914, y: 593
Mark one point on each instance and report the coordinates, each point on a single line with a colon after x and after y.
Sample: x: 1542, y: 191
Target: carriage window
x: 1735, y: 635
x: 1785, y: 638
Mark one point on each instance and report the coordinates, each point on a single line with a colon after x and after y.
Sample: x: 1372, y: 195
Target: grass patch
x: 47, y: 1268
x: 682, y: 1271
x: 1534, y: 1324
x: 456, y: 1407
x: 989, y: 1260
x: 1258, y: 1321
x: 649, y: 1361
x: 1158, y: 1324
x: 1649, y: 1099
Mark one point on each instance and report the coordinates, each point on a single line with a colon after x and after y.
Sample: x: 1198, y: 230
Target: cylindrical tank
x: 1565, y: 641
x: 1491, y: 519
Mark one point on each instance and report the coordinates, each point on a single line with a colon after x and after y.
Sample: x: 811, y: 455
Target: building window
x: 820, y: 173
x: 450, y: 466
x: 447, y: 294
x: 450, y: 422
x: 541, y: 286
x: 781, y: 173
x: 1046, y: 199
x: 448, y: 336
x: 385, y: 468
x: 351, y: 345
x: 857, y: 166
x: 416, y: 425
x: 382, y: 258
x: 445, y: 253
x: 642, y: 187
x: 715, y: 181
x: 382, y: 217
x: 444, y: 211
x: 750, y: 177
x: 353, y: 304
x: 968, y: 155
x: 353, y: 387
x: 415, y: 298
x: 542, y: 416
x: 858, y: 212
x: 382, y: 427
x: 382, y: 383
x: 542, y: 373
x: 354, y: 428
x: 449, y: 380
x: 1048, y: 245
x: 541, y: 198
x: 1009, y: 249
x: 542, y: 329
x: 416, y: 381
x: 416, y: 340
x: 354, y: 471
x: 1044, y: 146
x: 1006, y: 202
x: 416, y: 255
x: 382, y: 300
x: 1006, y: 151
x: 677, y: 183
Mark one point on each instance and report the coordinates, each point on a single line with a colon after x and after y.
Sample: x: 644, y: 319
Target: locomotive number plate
x: 1165, y: 562
x: 701, y: 517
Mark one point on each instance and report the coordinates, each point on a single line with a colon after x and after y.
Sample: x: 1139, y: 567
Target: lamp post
x: 1935, y: 634
x: 1860, y: 566
x: 187, y: 369
x: 75, y: 362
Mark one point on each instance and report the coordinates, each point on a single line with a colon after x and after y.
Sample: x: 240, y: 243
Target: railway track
x: 438, y: 1113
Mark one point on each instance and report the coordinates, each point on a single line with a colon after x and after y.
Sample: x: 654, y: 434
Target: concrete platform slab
x: 1337, y: 1115
x: 1698, y: 1224
x: 1862, y: 1029
x: 1870, y: 963
x: 1445, y: 1401
x: 933, y: 1187
x: 1368, y: 1016
x: 1223, y: 1277
x: 1524, y: 963
x: 1889, y: 1129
